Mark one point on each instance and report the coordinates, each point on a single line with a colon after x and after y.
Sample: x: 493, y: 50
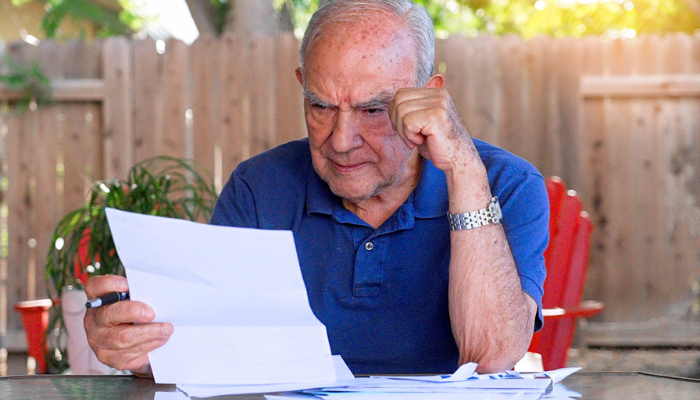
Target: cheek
x: 318, y: 129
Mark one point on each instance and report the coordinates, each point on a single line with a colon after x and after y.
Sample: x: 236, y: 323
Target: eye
x: 320, y: 106
x: 375, y: 111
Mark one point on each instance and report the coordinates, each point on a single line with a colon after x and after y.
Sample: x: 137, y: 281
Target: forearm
x: 492, y: 317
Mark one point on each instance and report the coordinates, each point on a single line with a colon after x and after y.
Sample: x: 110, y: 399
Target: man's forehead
x: 357, y: 66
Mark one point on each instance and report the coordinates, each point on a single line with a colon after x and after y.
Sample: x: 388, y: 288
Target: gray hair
x: 416, y: 19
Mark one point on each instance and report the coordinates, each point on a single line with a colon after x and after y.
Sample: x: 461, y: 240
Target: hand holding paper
x: 121, y: 335
x: 235, y: 297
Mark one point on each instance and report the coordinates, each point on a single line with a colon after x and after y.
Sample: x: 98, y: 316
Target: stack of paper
x: 464, y: 383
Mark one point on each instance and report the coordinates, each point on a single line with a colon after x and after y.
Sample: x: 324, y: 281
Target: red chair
x: 566, y: 259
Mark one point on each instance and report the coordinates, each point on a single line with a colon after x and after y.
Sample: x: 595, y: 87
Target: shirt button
x: 369, y: 246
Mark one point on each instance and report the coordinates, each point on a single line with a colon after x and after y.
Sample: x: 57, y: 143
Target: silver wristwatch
x: 489, y: 215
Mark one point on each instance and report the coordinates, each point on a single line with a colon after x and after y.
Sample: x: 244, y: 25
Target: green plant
x: 82, y: 244
x: 34, y: 86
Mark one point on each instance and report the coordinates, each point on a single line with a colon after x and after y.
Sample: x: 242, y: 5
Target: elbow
x: 499, y: 360
x: 497, y: 355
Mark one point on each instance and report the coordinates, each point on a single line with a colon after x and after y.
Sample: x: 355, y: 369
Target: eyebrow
x: 381, y: 100
x: 314, y: 99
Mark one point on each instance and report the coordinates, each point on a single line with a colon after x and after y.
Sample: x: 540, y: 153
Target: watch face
x: 495, y: 207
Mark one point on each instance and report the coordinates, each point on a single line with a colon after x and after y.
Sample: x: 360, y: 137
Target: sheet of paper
x: 470, y: 395
x: 463, y: 372
x: 343, y: 377
x: 235, y: 297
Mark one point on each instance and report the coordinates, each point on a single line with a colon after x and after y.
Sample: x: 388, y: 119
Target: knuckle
x: 124, y: 337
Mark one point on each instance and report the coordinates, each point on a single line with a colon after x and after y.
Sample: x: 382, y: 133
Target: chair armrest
x: 584, y: 310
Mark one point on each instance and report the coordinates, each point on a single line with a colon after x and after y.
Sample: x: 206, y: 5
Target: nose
x: 346, y: 133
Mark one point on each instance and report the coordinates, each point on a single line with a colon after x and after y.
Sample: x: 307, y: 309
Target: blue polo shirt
x: 382, y: 293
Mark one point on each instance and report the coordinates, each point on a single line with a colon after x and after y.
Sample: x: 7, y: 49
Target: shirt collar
x: 429, y: 198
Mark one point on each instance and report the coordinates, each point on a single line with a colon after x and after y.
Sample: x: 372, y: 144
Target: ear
x: 436, y: 81
x: 300, y: 77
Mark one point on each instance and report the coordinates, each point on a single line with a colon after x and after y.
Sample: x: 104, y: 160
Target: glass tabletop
x: 592, y: 385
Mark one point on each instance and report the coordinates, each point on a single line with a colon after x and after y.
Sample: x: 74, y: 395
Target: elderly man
x: 394, y: 209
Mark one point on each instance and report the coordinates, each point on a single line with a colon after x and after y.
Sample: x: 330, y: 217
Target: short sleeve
x: 525, y: 208
x: 236, y: 204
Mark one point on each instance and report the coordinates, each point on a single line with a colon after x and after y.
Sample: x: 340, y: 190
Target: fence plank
x: 81, y: 60
x: 681, y: 150
x: 175, y: 99
x: 263, y: 135
x: 620, y: 133
x: 75, y: 151
x: 593, y: 186
x: 206, y: 83
x: 289, y: 114
x: 567, y: 105
x: 19, y: 207
x: 538, y: 72
x: 46, y: 212
x: 118, y: 133
x: 457, y: 50
x: 235, y: 103
x: 4, y: 132
x: 646, y: 144
x: 512, y: 55
x: 485, y: 93
x: 148, y: 126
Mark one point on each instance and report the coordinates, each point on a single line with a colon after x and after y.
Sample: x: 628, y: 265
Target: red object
x: 35, y: 317
x: 566, y: 259
x: 83, y: 259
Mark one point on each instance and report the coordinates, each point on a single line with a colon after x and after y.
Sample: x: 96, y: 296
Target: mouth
x: 347, y: 168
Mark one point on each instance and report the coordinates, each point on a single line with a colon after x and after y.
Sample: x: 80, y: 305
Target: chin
x: 351, y: 194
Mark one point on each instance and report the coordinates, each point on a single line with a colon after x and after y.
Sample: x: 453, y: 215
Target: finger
x: 129, y: 336
x: 123, y: 312
x: 103, y: 284
x: 133, y: 358
x: 408, y: 94
x: 397, y: 124
x: 428, y: 107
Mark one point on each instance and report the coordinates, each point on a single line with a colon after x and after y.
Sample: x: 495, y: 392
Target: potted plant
x: 82, y: 244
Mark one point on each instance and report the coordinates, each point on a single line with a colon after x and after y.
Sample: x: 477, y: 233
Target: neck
x: 380, y: 207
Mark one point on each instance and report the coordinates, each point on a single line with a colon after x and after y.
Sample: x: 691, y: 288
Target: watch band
x: 489, y: 215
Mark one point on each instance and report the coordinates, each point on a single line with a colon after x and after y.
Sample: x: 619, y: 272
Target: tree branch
x: 204, y: 16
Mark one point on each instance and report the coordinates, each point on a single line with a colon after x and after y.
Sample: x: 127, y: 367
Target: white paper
x: 558, y: 375
x: 463, y: 372
x: 235, y: 297
x: 470, y: 395
x: 344, y: 377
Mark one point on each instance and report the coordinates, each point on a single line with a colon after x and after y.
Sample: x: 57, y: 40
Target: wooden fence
x: 618, y: 120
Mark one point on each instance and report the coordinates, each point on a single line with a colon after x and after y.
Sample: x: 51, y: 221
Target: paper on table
x: 471, y: 395
x: 235, y: 297
x: 463, y: 372
x: 462, y: 384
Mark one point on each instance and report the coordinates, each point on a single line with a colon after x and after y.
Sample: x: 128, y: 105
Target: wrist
x: 468, y: 190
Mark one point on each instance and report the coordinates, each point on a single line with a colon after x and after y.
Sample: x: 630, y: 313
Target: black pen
x: 107, y: 299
